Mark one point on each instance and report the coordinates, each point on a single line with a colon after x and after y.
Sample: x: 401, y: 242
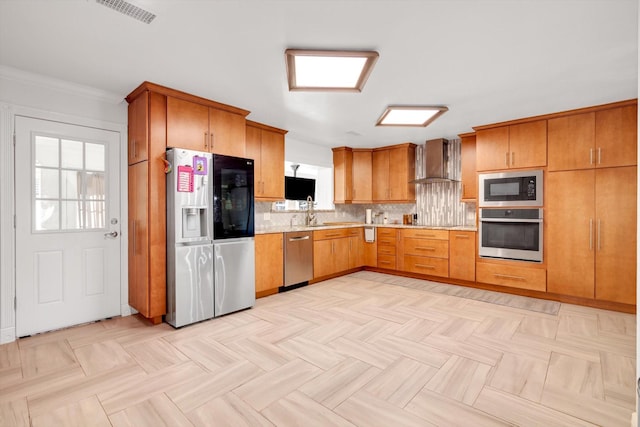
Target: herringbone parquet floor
x: 348, y: 351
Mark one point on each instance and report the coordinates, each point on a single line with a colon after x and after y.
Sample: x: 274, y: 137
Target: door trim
x: 8, y: 113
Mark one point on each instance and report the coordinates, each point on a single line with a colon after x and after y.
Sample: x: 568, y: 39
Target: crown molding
x: 40, y: 80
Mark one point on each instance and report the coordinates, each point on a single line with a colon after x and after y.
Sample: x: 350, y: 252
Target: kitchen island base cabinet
x: 513, y: 276
x: 269, y: 263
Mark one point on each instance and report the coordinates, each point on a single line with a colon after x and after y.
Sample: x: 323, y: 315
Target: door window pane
x: 46, y: 183
x: 71, y: 186
x: 47, y: 214
x: 46, y: 151
x: 71, y: 154
x: 95, y: 214
x: 95, y: 186
x: 71, y: 215
x: 95, y: 157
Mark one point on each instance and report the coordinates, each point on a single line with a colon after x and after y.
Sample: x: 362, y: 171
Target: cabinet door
x: 139, y: 238
x: 187, y: 125
x: 401, y: 171
x: 322, y: 258
x: 269, y: 262
x: 528, y: 144
x: 617, y: 136
x: 342, y: 175
x: 462, y: 255
x: 570, y: 142
x: 272, y: 168
x: 253, y: 142
x: 468, y: 166
x: 615, y: 231
x: 492, y: 149
x: 356, y: 249
x: 362, y: 176
x: 138, y: 128
x: 570, y: 227
x: 340, y: 254
x: 227, y: 133
x: 380, y: 175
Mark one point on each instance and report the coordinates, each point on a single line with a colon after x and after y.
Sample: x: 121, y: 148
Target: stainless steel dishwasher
x: 298, y: 257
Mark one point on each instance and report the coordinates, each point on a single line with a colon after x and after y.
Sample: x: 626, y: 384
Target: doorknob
x: 111, y: 235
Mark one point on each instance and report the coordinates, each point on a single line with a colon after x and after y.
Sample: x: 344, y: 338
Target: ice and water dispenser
x: 194, y: 222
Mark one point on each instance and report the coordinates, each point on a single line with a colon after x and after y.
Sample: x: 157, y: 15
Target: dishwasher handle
x: 293, y: 239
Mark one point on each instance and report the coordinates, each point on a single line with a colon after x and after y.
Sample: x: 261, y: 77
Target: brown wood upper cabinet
x: 352, y: 175
x: 521, y: 145
x: 200, y: 127
x: 138, y: 122
x: 594, y: 139
x: 468, y: 166
x: 265, y: 145
x: 393, y: 168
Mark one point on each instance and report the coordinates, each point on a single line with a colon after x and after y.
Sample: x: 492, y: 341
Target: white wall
x: 42, y: 97
x: 303, y: 152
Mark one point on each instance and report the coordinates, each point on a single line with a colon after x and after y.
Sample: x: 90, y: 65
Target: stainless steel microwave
x: 521, y: 188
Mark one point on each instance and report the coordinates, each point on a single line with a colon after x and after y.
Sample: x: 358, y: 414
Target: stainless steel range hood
x: 436, y: 162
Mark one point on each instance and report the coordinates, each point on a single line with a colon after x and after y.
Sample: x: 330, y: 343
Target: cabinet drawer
x: 422, y: 233
x: 389, y: 233
x: 514, y: 277
x: 386, y: 241
x: 426, y: 247
x: 386, y: 250
x: 387, y: 261
x: 426, y: 265
x: 334, y: 233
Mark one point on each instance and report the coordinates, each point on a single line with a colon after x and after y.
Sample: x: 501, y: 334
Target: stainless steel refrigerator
x: 233, y: 237
x: 190, y: 282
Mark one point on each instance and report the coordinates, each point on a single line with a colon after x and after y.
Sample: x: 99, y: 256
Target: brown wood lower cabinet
x: 462, y: 255
x: 330, y: 252
x: 425, y: 252
x: 269, y: 263
x: 513, y: 276
x: 387, y: 241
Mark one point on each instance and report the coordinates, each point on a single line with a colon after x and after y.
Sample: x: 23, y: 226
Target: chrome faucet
x: 310, y: 217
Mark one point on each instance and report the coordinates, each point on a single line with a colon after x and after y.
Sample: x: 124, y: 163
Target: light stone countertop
x: 331, y: 225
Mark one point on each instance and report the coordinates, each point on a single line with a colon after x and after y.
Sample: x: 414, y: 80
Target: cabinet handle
x: 513, y: 158
x: 506, y: 158
x: 430, y: 267
x: 462, y: 236
x: 211, y: 144
x: 206, y: 139
x: 507, y: 276
x: 431, y: 236
x: 591, y: 234
x: 134, y: 237
x: 332, y: 235
x: 425, y: 248
x: 599, y: 228
x: 590, y: 156
x: 599, y: 155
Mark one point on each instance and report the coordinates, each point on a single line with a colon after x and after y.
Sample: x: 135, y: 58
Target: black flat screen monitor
x: 299, y: 188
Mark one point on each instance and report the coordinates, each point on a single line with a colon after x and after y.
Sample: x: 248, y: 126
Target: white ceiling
x: 488, y: 61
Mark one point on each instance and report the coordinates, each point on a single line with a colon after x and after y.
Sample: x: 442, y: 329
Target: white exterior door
x: 67, y: 185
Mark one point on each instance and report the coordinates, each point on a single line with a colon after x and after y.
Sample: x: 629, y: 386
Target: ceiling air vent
x: 129, y: 10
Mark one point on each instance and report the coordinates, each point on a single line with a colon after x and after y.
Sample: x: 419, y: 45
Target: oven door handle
x: 539, y: 220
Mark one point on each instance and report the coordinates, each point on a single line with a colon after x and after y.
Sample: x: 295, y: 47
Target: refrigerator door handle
x: 220, y: 284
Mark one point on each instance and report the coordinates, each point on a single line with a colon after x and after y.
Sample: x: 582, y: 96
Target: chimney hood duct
x: 436, y: 161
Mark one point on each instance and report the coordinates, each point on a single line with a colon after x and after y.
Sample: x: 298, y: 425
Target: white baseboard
x: 7, y: 335
x: 126, y: 310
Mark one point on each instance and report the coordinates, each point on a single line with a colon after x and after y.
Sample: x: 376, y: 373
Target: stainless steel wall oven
x: 512, y: 233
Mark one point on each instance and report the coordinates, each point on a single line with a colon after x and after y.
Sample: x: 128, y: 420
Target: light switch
x: 266, y: 216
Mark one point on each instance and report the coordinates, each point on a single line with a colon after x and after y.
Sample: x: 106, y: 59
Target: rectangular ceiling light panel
x: 129, y: 9
x: 410, y: 116
x: 328, y: 70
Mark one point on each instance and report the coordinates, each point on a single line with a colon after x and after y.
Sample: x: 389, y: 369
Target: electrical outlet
x: 266, y: 216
